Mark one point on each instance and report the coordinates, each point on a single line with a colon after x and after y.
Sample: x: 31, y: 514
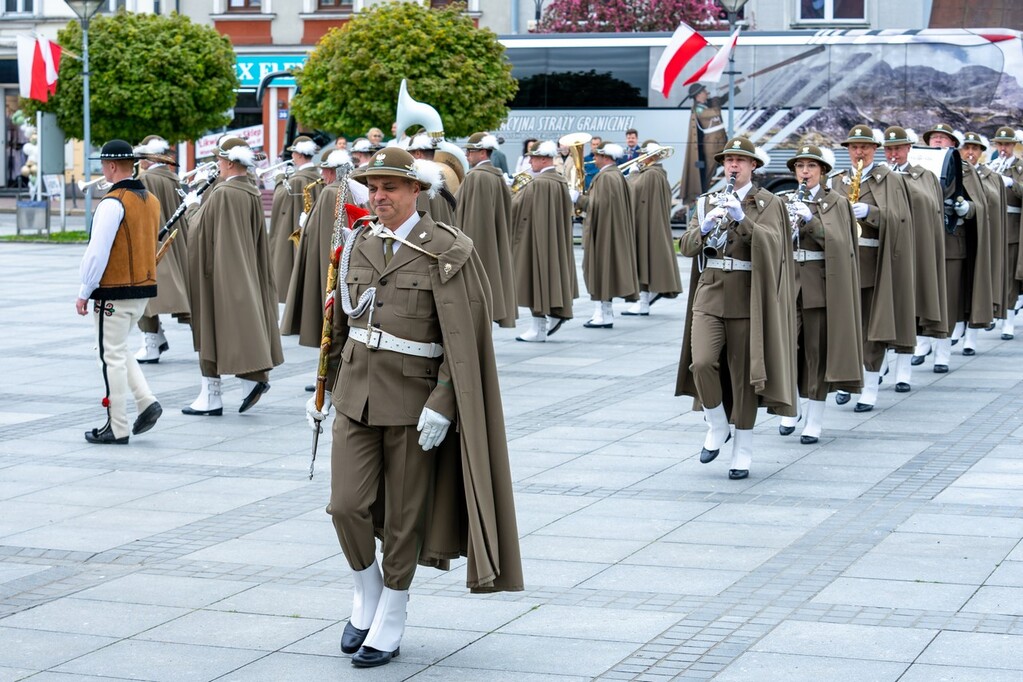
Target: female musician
x: 830, y: 347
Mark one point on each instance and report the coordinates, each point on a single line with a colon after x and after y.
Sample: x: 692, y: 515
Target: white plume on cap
x: 877, y: 135
x: 986, y: 142
x: 912, y: 136
x: 241, y: 154
x: 429, y: 171
x: 155, y: 146
x: 546, y: 148
x: 362, y: 145
x: 828, y: 156
x: 958, y: 135
x: 358, y: 192
x: 422, y: 141
x: 763, y: 156
x: 615, y: 151
x: 651, y: 148
x: 488, y: 142
x: 1019, y: 135
x: 305, y: 148
x: 395, y: 143
x: 337, y: 158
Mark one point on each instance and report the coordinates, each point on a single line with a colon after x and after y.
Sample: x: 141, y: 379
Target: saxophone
x: 854, y: 192
x: 307, y: 207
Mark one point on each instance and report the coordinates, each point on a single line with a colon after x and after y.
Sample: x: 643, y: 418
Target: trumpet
x: 288, y: 166
x: 660, y: 154
x: 799, y: 196
x: 718, y: 237
x: 203, y: 169
x: 99, y: 183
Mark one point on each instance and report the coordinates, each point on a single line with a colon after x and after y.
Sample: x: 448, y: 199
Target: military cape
x: 656, y: 262
x: 609, y: 238
x: 172, y: 271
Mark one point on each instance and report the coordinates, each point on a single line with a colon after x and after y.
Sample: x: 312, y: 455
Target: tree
x: 627, y: 16
x: 149, y: 75
x: 351, y: 79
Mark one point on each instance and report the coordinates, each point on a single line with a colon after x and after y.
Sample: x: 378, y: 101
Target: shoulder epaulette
x: 450, y: 228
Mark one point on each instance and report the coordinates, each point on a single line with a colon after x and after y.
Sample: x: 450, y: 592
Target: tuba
x: 410, y: 113
x: 576, y: 173
x: 520, y: 180
x: 660, y: 154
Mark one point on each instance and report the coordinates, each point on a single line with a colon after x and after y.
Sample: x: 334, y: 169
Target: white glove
x: 803, y: 211
x: 734, y: 208
x: 1009, y: 182
x: 860, y: 210
x: 433, y: 426
x: 574, y: 193
x: 314, y: 416
x: 962, y: 207
x: 192, y: 198
x: 711, y: 219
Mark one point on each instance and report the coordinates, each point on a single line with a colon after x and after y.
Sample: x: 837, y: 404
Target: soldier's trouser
x: 121, y: 373
x: 813, y: 361
x: 1011, y: 283
x: 363, y: 457
x: 150, y: 324
x: 956, y: 301
x: 710, y: 335
x: 209, y: 370
x: 873, y: 351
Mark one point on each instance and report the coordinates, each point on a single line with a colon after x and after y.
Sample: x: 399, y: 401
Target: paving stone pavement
x: 201, y: 551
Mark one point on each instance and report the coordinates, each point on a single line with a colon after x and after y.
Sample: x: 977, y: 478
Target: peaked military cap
x: 941, y: 128
x: 394, y: 162
x: 975, y: 138
x: 895, y: 136
x: 862, y: 134
x: 1005, y: 134
x: 739, y: 146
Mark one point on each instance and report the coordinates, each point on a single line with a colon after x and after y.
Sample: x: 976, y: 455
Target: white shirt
x: 743, y: 191
x: 105, y: 223
x: 813, y: 192
x: 404, y: 231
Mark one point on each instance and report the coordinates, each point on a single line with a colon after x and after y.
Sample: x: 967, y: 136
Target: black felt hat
x: 115, y: 150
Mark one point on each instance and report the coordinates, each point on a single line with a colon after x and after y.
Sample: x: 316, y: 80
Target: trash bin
x: 33, y: 216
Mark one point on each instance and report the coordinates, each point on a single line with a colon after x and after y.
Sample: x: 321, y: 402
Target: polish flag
x: 38, y: 64
x: 685, y: 44
x: 712, y: 70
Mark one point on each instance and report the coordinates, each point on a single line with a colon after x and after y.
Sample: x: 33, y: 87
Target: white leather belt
x: 1012, y: 209
x: 714, y: 129
x: 869, y: 242
x: 729, y: 264
x: 802, y: 255
x: 378, y: 339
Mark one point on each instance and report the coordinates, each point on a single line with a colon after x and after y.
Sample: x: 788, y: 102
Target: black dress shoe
x: 919, y: 359
x: 655, y: 298
x: 707, y: 456
x: 841, y: 398
x: 147, y: 419
x: 969, y: 351
x: 105, y: 436
x: 254, y: 395
x: 954, y: 341
x: 863, y: 407
x: 164, y: 347
x: 737, y: 474
x: 310, y: 388
x: 808, y: 440
x: 941, y: 369
x: 591, y: 325
x: 786, y: 430
x: 626, y: 312
x: 902, y: 387
x: 352, y: 638
x: 368, y: 657
x: 1007, y: 337
x: 202, y: 413
x: 989, y: 327
x: 557, y: 326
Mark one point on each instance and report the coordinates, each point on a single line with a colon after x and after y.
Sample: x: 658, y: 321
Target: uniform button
x: 415, y: 284
x: 380, y: 304
x: 429, y: 371
x: 383, y: 282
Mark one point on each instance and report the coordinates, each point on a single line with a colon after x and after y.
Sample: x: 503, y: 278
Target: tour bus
x: 789, y: 85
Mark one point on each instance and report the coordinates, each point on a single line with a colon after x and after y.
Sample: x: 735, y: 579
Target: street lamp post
x: 538, y: 5
x: 731, y: 7
x: 85, y: 9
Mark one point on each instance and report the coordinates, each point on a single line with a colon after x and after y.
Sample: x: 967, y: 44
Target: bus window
x: 584, y: 77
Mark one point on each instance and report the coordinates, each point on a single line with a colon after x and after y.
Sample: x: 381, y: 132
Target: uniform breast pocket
x: 414, y: 295
x: 357, y: 280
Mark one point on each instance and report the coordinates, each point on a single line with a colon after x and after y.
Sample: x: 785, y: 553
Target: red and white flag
x: 38, y: 64
x: 685, y: 44
x: 712, y: 70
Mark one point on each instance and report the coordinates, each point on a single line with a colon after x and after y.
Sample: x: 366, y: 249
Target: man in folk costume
x: 287, y: 209
x: 441, y: 203
x: 416, y: 357
x: 656, y: 262
x: 339, y: 200
x: 706, y: 137
x: 973, y: 148
x: 609, y: 238
x: 739, y: 346
x: 483, y: 212
x: 172, y: 270
x: 830, y: 352
x: 118, y: 273
x: 887, y: 298
x: 926, y: 199
x: 1011, y: 170
x: 234, y: 311
x: 541, y: 234
x: 969, y: 297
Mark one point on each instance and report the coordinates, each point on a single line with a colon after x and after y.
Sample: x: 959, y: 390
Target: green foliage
x: 350, y: 82
x: 149, y: 75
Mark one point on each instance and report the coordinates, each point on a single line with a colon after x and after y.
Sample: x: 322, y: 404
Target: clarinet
x: 177, y: 216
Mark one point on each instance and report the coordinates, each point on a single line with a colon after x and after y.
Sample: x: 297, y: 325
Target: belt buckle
x: 373, y: 338
x: 726, y: 264
x: 801, y: 256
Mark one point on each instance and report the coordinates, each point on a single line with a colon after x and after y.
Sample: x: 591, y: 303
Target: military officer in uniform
x: 287, y: 208
x: 706, y: 136
x: 1011, y: 170
x: 830, y: 352
x: 741, y: 246
x: 885, y: 257
x: 172, y: 271
x: 118, y: 273
x: 419, y: 429
x: 483, y: 212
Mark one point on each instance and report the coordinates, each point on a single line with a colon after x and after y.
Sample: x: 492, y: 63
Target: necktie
x: 388, y: 249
